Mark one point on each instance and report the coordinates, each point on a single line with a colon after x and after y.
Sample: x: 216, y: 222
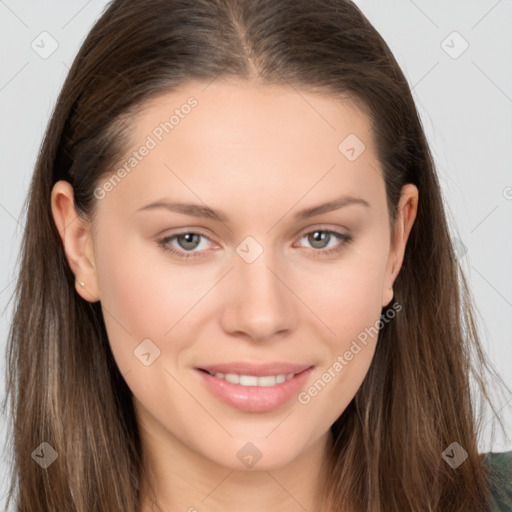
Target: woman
x: 237, y: 288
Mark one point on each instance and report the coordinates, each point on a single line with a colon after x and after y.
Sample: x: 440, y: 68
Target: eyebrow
x: 197, y: 210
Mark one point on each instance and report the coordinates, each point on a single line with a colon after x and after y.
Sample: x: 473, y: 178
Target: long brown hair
x: 64, y: 386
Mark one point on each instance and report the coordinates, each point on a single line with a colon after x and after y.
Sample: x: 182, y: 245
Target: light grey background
x: 465, y: 103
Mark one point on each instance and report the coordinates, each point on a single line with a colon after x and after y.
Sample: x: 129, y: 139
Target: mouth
x: 255, y: 389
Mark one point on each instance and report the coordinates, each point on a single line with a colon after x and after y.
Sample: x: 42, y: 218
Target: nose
x: 260, y: 305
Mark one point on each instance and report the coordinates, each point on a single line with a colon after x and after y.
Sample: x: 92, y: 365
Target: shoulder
x: 500, y: 480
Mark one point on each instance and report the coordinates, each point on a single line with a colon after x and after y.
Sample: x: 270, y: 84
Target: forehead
x: 248, y: 139
x: 250, y: 114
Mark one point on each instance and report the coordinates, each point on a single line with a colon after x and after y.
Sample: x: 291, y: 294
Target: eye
x: 186, y: 243
x: 328, y: 241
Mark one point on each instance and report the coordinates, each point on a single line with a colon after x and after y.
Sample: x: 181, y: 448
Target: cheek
x: 135, y: 293
x: 347, y: 297
x: 353, y: 313
x: 347, y: 294
x: 336, y: 384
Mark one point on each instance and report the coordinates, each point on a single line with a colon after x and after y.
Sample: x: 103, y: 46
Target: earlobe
x: 387, y: 296
x: 407, y: 210
x: 76, y: 240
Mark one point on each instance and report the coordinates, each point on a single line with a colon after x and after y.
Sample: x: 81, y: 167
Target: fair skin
x: 259, y: 154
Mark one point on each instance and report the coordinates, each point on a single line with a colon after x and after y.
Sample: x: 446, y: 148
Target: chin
x: 253, y: 453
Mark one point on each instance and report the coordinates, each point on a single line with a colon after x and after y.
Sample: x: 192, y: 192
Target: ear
x: 407, y: 209
x: 76, y: 238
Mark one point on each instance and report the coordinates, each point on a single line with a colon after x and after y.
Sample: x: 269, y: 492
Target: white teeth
x: 252, y: 380
x: 269, y: 380
x: 231, y: 377
x: 246, y: 380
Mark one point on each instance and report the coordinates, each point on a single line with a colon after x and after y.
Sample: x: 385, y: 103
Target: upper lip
x: 258, y: 370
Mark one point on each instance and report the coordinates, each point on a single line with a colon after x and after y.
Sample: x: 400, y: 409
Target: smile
x: 254, y: 393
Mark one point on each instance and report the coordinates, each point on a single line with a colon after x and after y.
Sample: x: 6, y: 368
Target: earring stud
x: 80, y: 283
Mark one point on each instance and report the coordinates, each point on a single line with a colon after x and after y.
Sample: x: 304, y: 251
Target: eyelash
x: 163, y: 243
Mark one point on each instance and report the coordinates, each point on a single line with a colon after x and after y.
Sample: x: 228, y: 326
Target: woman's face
x: 247, y: 268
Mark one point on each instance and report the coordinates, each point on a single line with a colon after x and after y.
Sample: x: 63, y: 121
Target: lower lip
x: 255, y: 398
